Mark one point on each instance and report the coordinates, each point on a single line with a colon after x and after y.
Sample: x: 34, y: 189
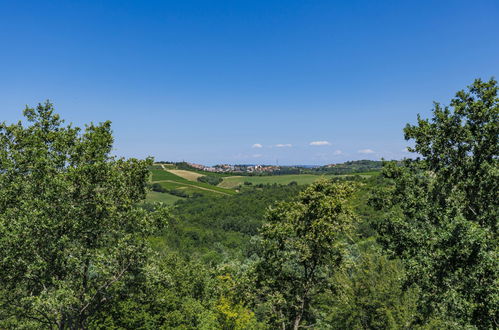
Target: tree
x: 71, y: 234
x: 182, y: 294
x: 443, y: 209
x: 210, y: 179
x: 368, y: 293
x: 300, y: 245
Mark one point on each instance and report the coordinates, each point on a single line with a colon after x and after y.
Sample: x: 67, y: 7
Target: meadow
x: 301, y: 179
x: 234, y: 181
x: 168, y: 199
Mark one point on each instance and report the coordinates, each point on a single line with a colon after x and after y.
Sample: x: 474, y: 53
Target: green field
x: 234, y: 181
x: 168, y: 199
x: 159, y: 174
x: 171, y: 181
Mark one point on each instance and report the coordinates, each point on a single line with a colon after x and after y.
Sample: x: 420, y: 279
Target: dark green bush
x: 210, y: 179
x: 157, y: 187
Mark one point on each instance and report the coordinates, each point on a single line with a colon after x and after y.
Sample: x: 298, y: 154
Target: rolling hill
x: 181, y: 183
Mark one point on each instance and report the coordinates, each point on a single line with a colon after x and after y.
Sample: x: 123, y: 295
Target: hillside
x: 170, y: 184
x: 233, y: 182
x: 180, y: 183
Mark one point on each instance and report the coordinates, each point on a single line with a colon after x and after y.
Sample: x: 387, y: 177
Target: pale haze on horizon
x: 246, y: 82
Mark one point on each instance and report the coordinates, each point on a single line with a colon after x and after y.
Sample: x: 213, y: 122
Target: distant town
x: 224, y: 168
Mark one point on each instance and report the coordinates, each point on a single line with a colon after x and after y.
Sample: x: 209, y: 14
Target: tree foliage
x: 75, y: 236
x: 158, y: 188
x: 179, y: 294
x: 71, y: 236
x: 210, y: 179
x: 299, y: 247
x: 443, y: 208
x: 368, y: 293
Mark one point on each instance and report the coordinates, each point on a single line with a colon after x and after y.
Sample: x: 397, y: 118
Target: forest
x: 413, y: 247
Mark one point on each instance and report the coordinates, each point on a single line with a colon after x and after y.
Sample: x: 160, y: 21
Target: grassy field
x: 168, y: 199
x: 234, y: 181
x: 170, y: 180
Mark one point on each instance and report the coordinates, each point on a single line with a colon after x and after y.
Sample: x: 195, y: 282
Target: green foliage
x: 213, y: 227
x: 79, y: 247
x: 351, y: 167
x: 179, y: 193
x: 443, y: 209
x: 179, y: 294
x: 368, y: 293
x: 302, y: 242
x: 210, y: 179
x: 158, y: 188
x: 71, y: 236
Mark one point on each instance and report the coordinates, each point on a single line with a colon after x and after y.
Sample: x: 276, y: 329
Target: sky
x: 245, y: 82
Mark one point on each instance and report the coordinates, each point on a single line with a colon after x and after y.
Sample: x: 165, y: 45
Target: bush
x: 157, y: 187
x: 210, y: 179
x: 179, y: 193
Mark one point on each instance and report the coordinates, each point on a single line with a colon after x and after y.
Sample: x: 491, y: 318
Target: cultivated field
x: 188, y: 175
x: 185, y: 181
x: 169, y: 180
x: 234, y: 181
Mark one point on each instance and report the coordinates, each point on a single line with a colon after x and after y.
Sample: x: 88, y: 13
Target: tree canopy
x: 443, y: 209
x: 71, y: 235
x: 300, y: 246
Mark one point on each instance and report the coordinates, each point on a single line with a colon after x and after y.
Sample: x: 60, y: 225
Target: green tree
x: 368, y: 293
x: 300, y: 246
x: 181, y: 294
x: 210, y: 179
x: 71, y: 234
x: 443, y: 209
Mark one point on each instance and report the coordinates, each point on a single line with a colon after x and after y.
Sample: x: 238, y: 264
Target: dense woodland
x: 415, y: 247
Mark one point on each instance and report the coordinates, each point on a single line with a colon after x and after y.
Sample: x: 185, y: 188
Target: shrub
x: 210, y: 179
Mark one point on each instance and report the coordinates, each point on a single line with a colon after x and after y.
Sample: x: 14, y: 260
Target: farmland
x: 234, y: 181
x: 188, y: 175
x: 301, y: 179
x: 179, y: 184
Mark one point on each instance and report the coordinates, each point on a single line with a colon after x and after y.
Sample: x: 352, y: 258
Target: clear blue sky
x: 212, y: 81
